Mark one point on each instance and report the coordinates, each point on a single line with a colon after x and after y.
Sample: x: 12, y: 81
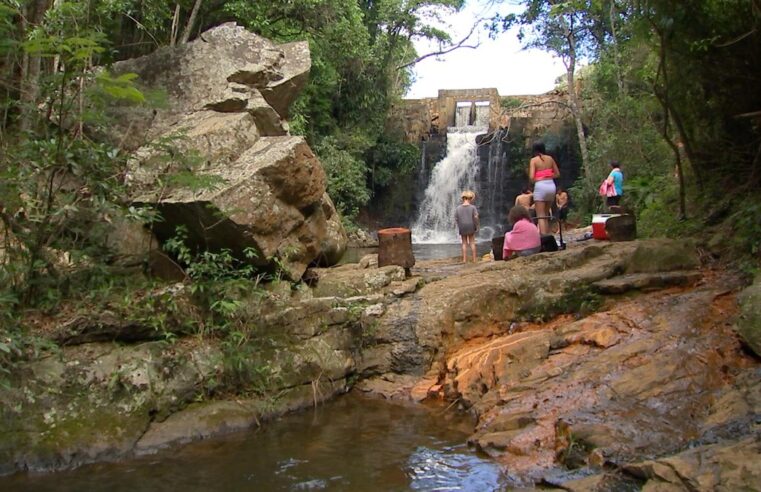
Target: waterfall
x: 498, y: 199
x: 422, y: 170
x: 450, y: 176
x: 462, y: 116
x: 482, y: 115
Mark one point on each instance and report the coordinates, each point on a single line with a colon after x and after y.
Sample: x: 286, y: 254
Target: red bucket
x: 598, y: 225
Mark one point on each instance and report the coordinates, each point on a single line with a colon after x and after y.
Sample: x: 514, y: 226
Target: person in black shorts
x: 561, y: 204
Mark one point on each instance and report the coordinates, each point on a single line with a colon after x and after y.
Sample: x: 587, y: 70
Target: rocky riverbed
x: 605, y: 366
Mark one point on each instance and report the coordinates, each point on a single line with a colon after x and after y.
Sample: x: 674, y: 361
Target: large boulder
x: 247, y: 183
x: 226, y: 70
x: 663, y: 255
x: 333, y: 245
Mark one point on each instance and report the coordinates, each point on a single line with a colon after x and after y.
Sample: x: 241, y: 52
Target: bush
x: 656, y: 201
x: 346, y: 177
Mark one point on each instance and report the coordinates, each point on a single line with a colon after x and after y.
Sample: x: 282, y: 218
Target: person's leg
x: 541, y: 211
x: 472, y: 240
x: 544, y: 196
x: 555, y: 225
x: 464, y: 240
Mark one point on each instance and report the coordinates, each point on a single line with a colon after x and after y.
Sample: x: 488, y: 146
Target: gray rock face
x: 226, y: 70
x: 645, y: 281
x: 723, y: 466
x: 100, y: 401
x: 333, y: 245
x: 228, y: 94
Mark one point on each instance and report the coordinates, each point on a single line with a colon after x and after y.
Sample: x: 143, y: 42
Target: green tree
x: 571, y: 30
x: 58, y: 186
x: 346, y: 177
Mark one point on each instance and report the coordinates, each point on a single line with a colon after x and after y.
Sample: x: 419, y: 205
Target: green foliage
x: 509, y: 102
x: 58, y: 188
x: 665, y: 79
x: 120, y: 87
x: 735, y: 232
x: 248, y: 363
x: 580, y: 300
x: 389, y: 160
x: 346, y: 177
x: 57, y: 196
x: 624, y: 130
x: 657, y: 206
x: 16, y: 343
x: 746, y: 221
x: 221, y: 284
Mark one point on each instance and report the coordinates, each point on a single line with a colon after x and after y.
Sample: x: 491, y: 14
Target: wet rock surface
x: 644, y: 388
x: 724, y: 466
x: 573, y: 400
x: 594, y: 368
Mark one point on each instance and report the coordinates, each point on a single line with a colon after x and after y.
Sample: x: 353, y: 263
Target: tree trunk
x: 30, y: 65
x: 573, y: 100
x: 175, y: 24
x: 191, y: 20
x: 395, y: 247
x: 620, y: 80
x: 663, y: 98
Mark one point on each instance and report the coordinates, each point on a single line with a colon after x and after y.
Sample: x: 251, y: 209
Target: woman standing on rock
x: 466, y: 218
x: 616, y: 180
x: 542, y: 171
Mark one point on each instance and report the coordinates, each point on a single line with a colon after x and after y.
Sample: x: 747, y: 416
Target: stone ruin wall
x: 419, y: 119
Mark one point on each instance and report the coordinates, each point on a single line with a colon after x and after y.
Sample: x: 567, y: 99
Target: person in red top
x: 524, y: 239
x: 542, y: 171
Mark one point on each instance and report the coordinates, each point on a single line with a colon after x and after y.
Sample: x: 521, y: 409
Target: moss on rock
x: 663, y: 255
x: 749, y: 322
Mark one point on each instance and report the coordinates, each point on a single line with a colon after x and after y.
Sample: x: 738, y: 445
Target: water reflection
x: 451, y: 468
x: 420, y: 251
x: 351, y: 444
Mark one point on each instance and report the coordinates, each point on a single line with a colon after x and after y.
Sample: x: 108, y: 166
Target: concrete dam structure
x: 475, y: 139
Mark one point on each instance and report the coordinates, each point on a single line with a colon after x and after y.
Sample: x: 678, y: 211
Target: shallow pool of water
x: 420, y: 251
x: 350, y: 444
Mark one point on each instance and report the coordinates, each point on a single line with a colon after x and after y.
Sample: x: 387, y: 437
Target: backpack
x: 549, y: 243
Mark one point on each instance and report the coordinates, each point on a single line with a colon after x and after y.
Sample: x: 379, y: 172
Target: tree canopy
x: 669, y: 87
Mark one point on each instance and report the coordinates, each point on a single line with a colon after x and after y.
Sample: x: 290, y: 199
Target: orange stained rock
x: 639, y: 378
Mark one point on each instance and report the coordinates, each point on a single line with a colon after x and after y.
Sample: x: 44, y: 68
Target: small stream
x: 350, y: 444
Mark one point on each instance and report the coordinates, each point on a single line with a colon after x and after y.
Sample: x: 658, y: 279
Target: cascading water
x: 455, y: 173
x: 462, y: 116
x: 482, y: 115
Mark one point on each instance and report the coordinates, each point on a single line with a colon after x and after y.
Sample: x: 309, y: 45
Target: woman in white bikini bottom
x: 544, y: 190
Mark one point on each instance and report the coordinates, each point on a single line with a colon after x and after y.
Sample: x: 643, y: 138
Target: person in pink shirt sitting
x: 524, y: 239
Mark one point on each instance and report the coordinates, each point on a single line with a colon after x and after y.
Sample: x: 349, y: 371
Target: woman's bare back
x: 541, y: 163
